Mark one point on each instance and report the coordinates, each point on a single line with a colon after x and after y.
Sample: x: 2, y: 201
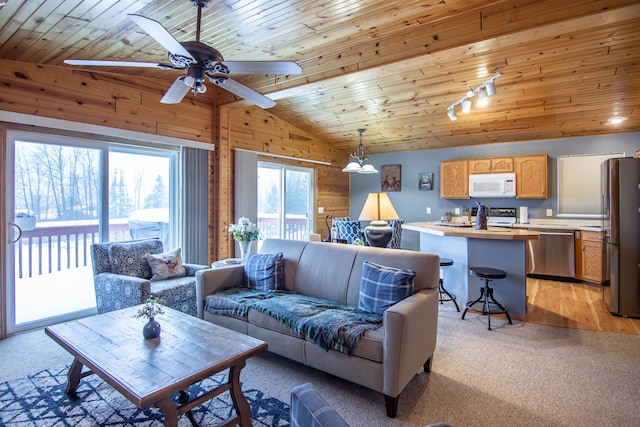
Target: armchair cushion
x: 381, y: 287
x: 128, y: 258
x: 264, y: 272
x: 166, y: 265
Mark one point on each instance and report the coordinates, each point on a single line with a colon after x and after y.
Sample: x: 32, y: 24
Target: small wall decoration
x: 390, y: 178
x: 425, y: 181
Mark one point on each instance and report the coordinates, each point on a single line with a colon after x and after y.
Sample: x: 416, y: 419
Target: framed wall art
x: 390, y: 178
x: 425, y: 181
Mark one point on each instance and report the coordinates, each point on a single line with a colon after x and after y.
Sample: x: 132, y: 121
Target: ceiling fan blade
x: 245, y: 92
x: 176, y: 92
x: 96, y: 63
x: 263, y: 67
x: 161, y: 35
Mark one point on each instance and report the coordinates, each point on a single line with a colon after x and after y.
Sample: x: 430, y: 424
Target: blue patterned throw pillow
x: 381, y: 287
x: 129, y: 258
x: 348, y: 230
x: 264, y: 272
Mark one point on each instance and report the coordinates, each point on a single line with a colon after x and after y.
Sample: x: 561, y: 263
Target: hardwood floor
x: 573, y: 305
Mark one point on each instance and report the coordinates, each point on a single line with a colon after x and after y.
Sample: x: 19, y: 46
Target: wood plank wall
x: 134, y: 104
x: 257, y: 130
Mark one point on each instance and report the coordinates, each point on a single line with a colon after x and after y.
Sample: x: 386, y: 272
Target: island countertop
x: 496, y: 233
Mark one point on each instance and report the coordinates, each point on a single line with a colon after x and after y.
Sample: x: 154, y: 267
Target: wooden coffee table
x: 151, y: 372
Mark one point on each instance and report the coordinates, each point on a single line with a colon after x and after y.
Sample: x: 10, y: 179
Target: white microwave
x: 492, y: 185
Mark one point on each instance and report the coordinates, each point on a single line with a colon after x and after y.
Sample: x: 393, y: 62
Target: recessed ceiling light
x: 615, y: 120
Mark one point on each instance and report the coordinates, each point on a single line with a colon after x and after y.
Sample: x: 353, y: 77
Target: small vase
x: 245, y: 248
x: 151, y: 329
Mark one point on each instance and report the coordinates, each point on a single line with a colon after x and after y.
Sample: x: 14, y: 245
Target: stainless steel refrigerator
x: 621, y: 225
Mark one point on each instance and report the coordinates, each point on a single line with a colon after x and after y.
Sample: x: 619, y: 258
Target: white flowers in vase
x: 244, y: 231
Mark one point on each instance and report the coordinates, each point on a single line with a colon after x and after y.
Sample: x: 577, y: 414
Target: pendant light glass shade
x: 359, y: 162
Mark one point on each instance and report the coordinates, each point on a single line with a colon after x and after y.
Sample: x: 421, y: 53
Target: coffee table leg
x: 239, y: 401
x: 169, y: 410
x: 73, y: 378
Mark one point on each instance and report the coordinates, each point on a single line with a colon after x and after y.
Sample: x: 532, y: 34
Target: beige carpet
x: 519, y: 375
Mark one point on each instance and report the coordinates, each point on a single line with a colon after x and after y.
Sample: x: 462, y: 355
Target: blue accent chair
x: 122, y: 277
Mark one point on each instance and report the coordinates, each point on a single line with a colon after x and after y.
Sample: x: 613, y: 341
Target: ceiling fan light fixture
x: 200, y: 88
x: 189, y: 81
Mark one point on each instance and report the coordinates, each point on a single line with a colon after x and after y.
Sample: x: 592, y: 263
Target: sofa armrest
x: 410, y: 329
x: 211, y: 279
x: 192, y: 268
x: 116, y: 291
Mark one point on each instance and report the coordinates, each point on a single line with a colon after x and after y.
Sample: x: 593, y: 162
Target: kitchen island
x: 496, y: 247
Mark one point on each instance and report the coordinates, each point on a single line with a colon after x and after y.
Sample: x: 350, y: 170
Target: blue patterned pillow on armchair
x: 129, y: 258
x: 348, y: 230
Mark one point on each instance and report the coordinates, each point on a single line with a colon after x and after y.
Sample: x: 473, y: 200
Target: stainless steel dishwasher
x: 552, y: 254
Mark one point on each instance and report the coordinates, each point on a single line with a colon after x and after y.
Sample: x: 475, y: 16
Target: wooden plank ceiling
x: 391, y: 67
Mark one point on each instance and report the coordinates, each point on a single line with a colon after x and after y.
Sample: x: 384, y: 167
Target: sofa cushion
x: 381, y: 287
x: 264, y: 272
x: 128, y: 258
x: 166, y: 265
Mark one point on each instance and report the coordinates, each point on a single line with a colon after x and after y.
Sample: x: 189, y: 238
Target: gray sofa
x: 385, y: 359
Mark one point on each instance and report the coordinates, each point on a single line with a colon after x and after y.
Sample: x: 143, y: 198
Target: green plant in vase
x: 151, y: 308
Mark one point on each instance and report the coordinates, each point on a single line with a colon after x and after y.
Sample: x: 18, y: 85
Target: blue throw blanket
x: 329, y: 325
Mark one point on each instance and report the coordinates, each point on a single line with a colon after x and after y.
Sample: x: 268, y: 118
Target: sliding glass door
x: 285, y: 201
x: 64, y: 195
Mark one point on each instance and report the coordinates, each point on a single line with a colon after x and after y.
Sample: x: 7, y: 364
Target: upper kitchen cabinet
x: 454, y: 179
x: 496, y: 165
x: 531, y: 176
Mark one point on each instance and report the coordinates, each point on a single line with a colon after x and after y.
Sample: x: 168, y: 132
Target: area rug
x: 39, y: 400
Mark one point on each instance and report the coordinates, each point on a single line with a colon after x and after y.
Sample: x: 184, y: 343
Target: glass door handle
x: 19, y: 233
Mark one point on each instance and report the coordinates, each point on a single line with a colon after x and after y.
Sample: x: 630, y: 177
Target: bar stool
x: 445, y: 262
x: 486, y: 293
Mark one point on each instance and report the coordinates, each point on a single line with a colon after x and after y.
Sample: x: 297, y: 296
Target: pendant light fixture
x: 359, y: 162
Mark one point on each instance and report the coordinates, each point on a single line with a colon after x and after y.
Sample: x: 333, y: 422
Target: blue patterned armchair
x: 122, y: 277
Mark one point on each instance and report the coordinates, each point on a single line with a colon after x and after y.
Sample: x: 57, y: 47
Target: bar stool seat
x: 445, y: 262
x: 486, y: 294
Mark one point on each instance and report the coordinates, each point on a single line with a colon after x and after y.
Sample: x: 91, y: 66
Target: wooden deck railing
x: 50, y: 248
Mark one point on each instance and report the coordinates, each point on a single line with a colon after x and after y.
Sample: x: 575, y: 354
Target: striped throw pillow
x: 381, y: 287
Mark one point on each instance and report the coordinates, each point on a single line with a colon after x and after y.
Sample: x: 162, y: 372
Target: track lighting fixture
x: 483, y: 91
x: 359, y: 162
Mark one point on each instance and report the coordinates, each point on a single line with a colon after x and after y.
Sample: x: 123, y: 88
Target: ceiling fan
x: 200, y: 61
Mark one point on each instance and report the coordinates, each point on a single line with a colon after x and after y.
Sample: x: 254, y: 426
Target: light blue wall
x: 411, y: 203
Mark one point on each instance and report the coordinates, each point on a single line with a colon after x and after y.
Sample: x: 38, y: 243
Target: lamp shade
x: 378, y: 207
x: 368, y: 168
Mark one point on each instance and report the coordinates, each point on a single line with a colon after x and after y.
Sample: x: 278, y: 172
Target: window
x: 66, y: 193
x: 285, y: 201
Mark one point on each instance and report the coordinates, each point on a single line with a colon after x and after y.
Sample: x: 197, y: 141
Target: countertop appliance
x: 621, y: 225
x: 498, y: 217
x: 492, y: 185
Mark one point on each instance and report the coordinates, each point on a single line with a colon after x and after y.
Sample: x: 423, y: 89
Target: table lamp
x: 378, y: 208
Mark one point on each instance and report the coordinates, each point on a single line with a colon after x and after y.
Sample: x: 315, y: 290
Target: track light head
x: 490, y: 88
x: 483, y: 99
x: 452, y: 114
x: 466, y: 106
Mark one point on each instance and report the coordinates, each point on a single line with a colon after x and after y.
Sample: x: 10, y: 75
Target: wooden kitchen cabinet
x: 493, y: 165
x: 454, y: 179
x: 531, y: 176
x: 592, y: 256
